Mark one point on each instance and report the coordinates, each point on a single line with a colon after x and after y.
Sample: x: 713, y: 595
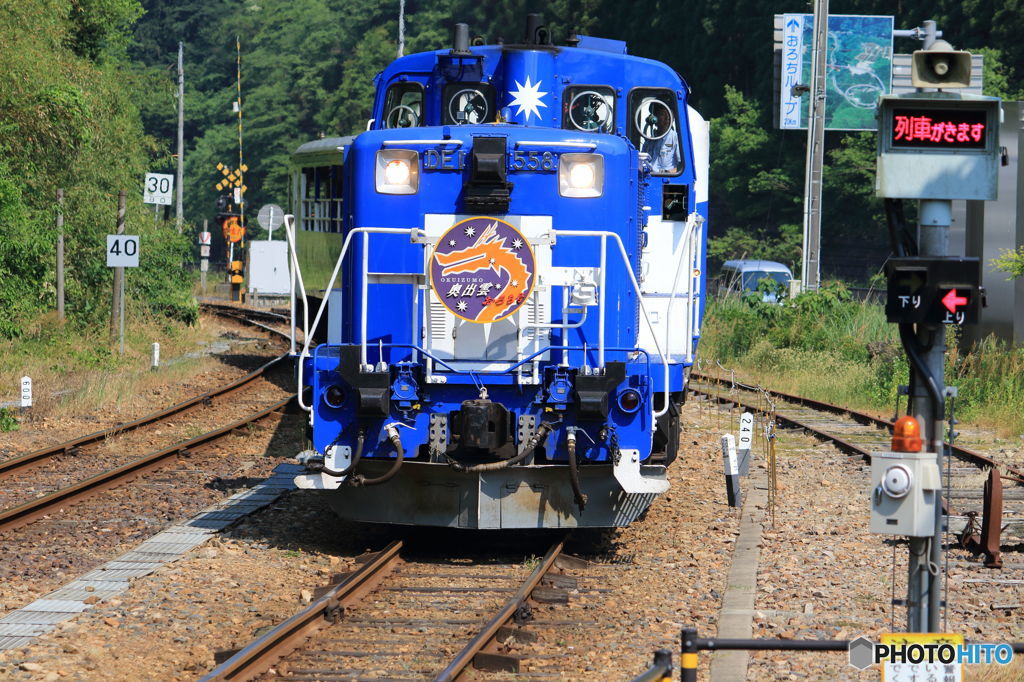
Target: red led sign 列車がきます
x: 939, y: 128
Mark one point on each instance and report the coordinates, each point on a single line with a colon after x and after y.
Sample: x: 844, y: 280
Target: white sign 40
x: 122, y: 251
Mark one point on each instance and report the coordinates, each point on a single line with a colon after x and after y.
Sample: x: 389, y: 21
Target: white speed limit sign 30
x: 158, y: 189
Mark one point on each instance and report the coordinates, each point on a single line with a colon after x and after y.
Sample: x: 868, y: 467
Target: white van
x: 742, y: 276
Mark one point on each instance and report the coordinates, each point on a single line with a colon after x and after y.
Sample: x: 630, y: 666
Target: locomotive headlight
x: 581, y: 175
x: 398, y: 171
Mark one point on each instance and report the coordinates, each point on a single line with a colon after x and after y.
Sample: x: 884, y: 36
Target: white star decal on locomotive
x: 451, y: 242
x: 517, y: 243
x: 470, y: 231
x: 514, y: 282
x: 461, y: 305
x: 527, y: 98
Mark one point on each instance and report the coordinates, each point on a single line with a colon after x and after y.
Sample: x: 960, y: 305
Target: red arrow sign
x: 951, y: 300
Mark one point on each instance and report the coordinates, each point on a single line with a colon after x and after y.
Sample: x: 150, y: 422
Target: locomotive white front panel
x: 668, y: 264
x: 487, y: 346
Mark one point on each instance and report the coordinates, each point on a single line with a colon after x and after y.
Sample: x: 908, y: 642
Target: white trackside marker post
x: 26, y: 392
x: 156, y: 356
x: 745, y: 442
x: 732, y: 474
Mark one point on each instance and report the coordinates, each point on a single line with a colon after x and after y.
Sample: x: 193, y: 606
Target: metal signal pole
x: 60, y: 255
x: 181, y: 135
x: 241, y: 165
x: 811, y: 266
x: 401, y: 27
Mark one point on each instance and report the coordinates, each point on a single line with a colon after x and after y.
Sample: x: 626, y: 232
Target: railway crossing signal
x: 233, y: 179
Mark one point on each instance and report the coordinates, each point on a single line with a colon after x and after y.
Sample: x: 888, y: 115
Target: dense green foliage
x: 825, y: 345
x: 308, y: 67
x: 817, y: 334
x: 69, y: 119
x: 87, y: 94
x: 1011, y: 262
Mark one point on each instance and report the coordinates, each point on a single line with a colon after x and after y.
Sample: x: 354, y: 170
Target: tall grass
x: 825, y: 345
x: 77, y: 370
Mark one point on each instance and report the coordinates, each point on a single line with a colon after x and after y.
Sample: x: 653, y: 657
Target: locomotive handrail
x: 396, y: 143
x: 604, y: 235
x: 549, y: 143
x: 517, y: 365
x: 689, y: 230
x: 411, y: 231
x: 296, y: 276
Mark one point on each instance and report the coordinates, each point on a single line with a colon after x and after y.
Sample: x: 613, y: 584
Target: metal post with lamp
x: 934, y: 147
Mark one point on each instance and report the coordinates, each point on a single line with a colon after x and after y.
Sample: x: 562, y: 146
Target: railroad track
x: 21, y: 514
x: 400, y: 618
x: 809, y: 419
x: 859, y: 434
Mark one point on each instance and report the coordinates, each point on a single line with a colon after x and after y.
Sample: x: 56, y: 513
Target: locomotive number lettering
x: 534, y: 161
x: 444, y: 159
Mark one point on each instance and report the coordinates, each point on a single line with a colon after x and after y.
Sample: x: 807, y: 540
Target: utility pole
x: 240, y: 197
x: 811, y: 266
x: 401, y: 27
x: 117, y: 303
x: 181, y: 135
x: 60, y: 255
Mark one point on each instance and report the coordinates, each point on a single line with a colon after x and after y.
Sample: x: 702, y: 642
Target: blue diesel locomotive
x: 518, y: 290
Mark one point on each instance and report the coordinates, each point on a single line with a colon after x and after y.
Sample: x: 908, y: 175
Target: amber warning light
x: 936, y: 128
x: 906, y: 435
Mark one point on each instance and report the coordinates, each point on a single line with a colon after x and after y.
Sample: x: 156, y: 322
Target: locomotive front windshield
x: 468, y: 103
x: 654, y: 129
x: 589, y: 108
x: 404, y: 105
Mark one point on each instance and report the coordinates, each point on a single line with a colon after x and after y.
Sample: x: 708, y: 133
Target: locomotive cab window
x: 654, y: 129
x: 403, y: 105
x: 468, y: 103
x: 590, y: 108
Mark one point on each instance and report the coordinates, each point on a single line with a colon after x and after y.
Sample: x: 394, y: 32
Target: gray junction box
x: 905, y: 487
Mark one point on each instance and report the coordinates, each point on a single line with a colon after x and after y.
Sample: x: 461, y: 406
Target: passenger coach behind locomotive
x: 520, y: 289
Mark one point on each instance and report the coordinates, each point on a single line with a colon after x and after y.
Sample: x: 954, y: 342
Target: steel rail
x: 32, y: 459
x: 973, y: 456
x: 465, y: 657
x: 842, y: 444
x: 256, y: 658
x: 37, y: 457
x: 253, y: 312
x: 15, y: 517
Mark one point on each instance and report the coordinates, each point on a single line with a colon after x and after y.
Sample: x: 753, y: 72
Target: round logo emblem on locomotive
x: 482, y: 269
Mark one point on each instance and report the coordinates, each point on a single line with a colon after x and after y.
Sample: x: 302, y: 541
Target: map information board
x: 858, y: 69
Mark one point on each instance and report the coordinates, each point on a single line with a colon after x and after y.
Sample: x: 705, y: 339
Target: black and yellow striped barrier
x: 692, y: 644
x: 660, y: 670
